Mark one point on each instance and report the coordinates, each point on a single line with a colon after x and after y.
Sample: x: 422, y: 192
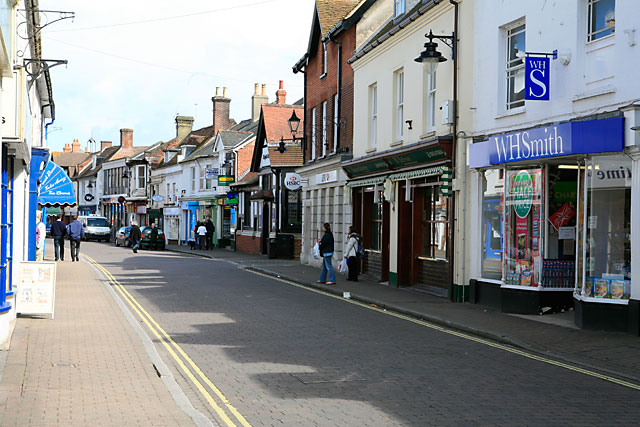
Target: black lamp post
x: 294, y: 124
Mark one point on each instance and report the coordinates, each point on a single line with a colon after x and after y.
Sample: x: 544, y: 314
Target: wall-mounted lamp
x: 409, y: 123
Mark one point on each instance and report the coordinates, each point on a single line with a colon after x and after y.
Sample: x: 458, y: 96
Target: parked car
x: 122, y: 236
x: 96, y: 227
x: 145, y: 241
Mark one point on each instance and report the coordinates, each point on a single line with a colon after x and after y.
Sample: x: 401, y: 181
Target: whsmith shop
x: 553, y: 216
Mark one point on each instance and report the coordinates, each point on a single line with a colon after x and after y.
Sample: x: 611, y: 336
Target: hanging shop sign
x: 292, y: 181
x: 225, y: 180
x: 536, y: 78
x: 157, y: 198
x: 88, y: 197
x: 211, y: 173
x: 141, y: 210
x: 232, y: 198
x: 564, y: 139
x: 522, y: 193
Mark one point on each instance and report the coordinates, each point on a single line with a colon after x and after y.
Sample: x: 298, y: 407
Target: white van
x: 96, y: 227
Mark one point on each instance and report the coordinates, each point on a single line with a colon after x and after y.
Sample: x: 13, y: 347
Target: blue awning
x: 56, y: 188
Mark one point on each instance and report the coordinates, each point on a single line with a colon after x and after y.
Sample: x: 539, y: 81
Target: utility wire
x: 166, y: 18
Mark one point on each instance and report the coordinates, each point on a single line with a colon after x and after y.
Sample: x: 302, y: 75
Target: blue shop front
x: 553, y: 212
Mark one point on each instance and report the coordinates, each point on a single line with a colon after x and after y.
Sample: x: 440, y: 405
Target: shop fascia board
x: 324, y: 165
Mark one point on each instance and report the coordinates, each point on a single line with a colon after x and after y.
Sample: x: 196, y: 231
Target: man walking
x: 202, y: 236
x: 154, y: 236
x: 58, y: 231
x: 134, y: 236
x: 75, y: 230
x: 210, y: 230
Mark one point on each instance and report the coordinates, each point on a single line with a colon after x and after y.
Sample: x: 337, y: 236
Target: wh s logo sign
x: 536, y: 78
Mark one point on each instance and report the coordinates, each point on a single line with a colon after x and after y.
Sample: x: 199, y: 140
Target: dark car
x: 145, y: 241
x: 122, y: 236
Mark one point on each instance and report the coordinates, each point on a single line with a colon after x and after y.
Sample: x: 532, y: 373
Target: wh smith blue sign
x: 536, y: 78
x: 564, y: 139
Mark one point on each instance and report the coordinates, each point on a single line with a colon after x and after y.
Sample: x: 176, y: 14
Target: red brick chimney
x: 104, y: 145
x: 126, y: 143
x: 67, y: 148
x: 221, y: 110
x: 281, y: 95
x: 75, y: 147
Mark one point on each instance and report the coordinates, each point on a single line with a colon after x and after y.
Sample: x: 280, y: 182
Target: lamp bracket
x: 553, y: 55
x: 448, y: 40
x: 35, y: 67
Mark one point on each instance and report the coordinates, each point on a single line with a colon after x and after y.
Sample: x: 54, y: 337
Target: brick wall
x: 248, y: 244
x: 433, y: 273
x: 324, y: 89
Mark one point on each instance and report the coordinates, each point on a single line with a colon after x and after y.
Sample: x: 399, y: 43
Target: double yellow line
x: 192, y: 371
x: 464, y: 335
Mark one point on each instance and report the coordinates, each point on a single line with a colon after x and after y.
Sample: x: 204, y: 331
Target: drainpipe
x: 46, y: 129
x: 452, y: 205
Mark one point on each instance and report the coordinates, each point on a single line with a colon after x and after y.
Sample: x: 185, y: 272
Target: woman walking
x: 351, y: 254
x: 326, y: 252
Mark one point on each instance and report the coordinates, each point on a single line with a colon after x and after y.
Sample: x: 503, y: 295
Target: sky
x: 139, y: 63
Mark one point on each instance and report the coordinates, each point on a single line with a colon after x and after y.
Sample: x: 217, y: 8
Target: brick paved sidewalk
x: 85, y: 367
x: 608, y: 352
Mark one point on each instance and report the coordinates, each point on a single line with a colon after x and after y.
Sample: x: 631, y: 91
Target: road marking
x: 170, y: 345
x: 459, y: 334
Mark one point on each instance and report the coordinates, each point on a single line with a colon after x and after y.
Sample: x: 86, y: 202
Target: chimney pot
x: 264, y: 90
x: 256, y: 90
x: 281, y: 94
x: 224, y: 92
x: 217, y: 90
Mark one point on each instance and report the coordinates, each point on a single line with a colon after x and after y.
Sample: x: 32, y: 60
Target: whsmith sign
x: 564, y: 139
x: 536, y: 78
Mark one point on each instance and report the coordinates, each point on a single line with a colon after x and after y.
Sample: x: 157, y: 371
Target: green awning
x: 420, y: 173
x: 366, y: 181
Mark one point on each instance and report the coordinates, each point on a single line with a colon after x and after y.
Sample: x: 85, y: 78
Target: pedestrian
x: 351, y: 254
x: 59, y: 232
x: 41, y: 233
x: 154, y: 236
x: 210, y: 230
x: 195, y: 234
x: 75, y: 231
x: 134, y: 237
x: 326, y: 252
x: 202, y: 236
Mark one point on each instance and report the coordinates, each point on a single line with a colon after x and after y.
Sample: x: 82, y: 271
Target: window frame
x: 399, y: 104
x: 435, y: 193
x: 141, y: 178
x: 336, y: 122
x: 592, y: 35
x: 431, y: 99
x: 313, y: 133
x: 513, y: 67
x: 373, y: 116
x: 193, y: 178
x: 399, y: 7
x: 324, y: 128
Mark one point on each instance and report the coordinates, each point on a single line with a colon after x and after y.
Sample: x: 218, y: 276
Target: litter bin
x: 272, y: 249
x: 284, y: 246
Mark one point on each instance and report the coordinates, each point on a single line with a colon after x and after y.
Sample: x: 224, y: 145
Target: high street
x: 266, y: 352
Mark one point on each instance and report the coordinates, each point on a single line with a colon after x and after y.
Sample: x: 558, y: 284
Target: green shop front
x: 552, y: 212
x: 401, y: 207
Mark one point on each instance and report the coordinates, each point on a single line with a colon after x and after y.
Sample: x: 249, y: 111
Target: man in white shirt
x: 202, y: 236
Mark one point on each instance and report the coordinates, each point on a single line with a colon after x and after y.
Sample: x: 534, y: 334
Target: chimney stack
x: 126, y: 142
x: 104, y: 145
x: 281, y: 95
x: 75, y: 147
x: 221, y: 110
x: 257, y: 100
x: 67, y: 148
x: 184, y: 126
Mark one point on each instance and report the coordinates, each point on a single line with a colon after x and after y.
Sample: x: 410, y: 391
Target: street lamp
x: 294, y: 124
x: 430, y: 56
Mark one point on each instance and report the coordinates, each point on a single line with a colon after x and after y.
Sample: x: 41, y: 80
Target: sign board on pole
x: 211, y: 173
x: 36, y: 288
x: 292, y: 181
x: 225, y: 180
x: 536, y: 78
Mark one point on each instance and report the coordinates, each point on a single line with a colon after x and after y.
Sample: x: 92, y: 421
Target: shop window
x: 523, y: 227
x: 434, y: 222
x: 515, y: 36
x: 492, y: 200
x: 608, y: 226
x: 601, y: 19
x: 376, y: 222
x: 293, y: 212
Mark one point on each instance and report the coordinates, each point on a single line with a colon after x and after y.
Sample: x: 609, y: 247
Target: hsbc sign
x: 292, y: 181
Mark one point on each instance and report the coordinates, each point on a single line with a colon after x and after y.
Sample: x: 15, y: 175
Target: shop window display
x: 607, y: 248
x: 434, y: 223
x: 523, y: 227
x: 492, y: 218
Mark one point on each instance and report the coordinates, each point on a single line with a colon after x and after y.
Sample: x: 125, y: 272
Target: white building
x: 555, y: 188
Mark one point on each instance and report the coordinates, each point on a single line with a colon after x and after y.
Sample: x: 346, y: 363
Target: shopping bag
x: 316, y: 251
x: 342, y: 268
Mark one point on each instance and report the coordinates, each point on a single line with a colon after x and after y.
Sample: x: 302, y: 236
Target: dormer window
x: 399, y: 7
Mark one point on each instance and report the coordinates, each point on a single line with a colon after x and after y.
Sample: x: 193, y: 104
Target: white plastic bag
x: 316, y: 251
x: 343, y: 268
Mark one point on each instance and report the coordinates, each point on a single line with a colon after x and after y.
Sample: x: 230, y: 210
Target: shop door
x: 266, y: 226
x: 405, y: 240
x: 386, y: 228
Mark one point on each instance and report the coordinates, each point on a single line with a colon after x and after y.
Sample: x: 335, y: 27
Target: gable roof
x: 330, y: 12
x: 69, y: 159
x: 274, y: 125
x: 101, y: 157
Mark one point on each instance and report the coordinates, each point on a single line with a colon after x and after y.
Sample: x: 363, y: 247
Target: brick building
x: 328, y: 121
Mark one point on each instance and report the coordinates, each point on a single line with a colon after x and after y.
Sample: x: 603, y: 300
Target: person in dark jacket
x: 326, y: 252
x: 134, y: 236
x: 75, y: 230
x: 154, y: 236
x: 58, y: 231
x: 210, y: 230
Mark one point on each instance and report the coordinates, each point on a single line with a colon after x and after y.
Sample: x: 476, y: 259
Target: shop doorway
x: 266, y: 227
